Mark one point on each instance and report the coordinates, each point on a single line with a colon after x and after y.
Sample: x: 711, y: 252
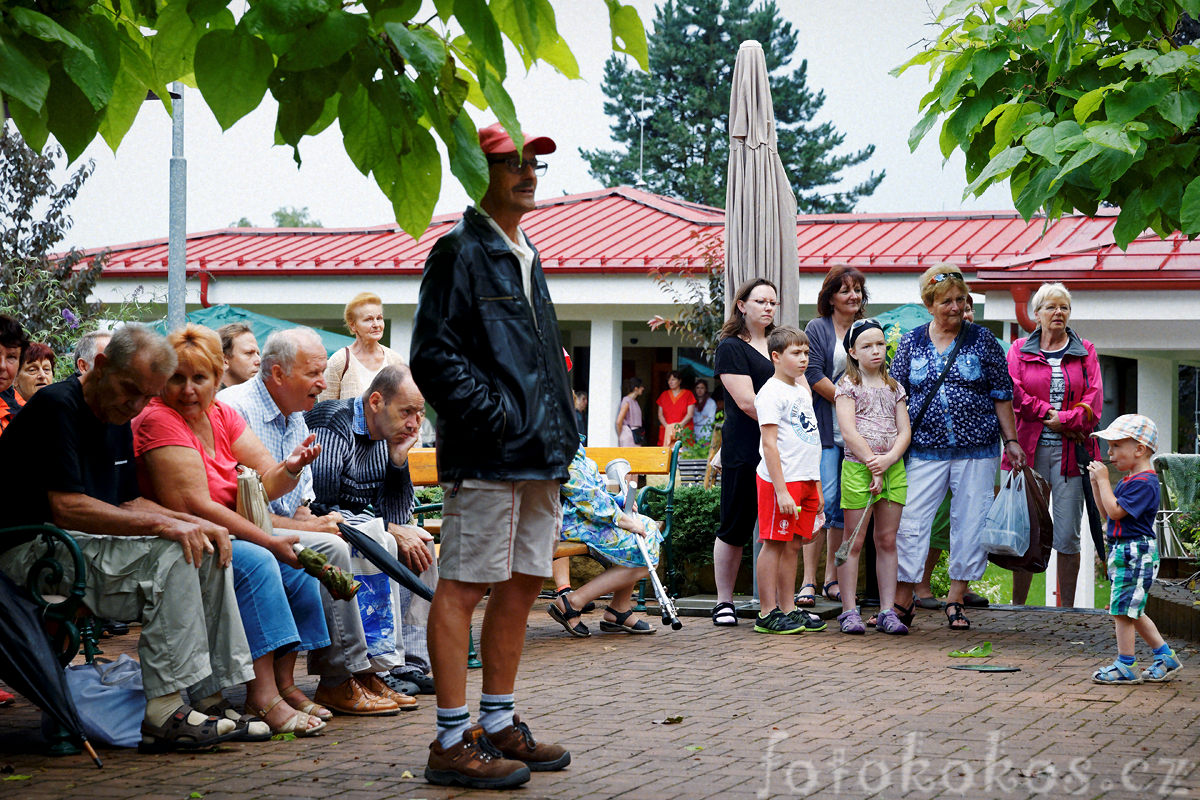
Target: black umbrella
x: 1084, y: 458
x: 380, y: 557
x: 28, y: 665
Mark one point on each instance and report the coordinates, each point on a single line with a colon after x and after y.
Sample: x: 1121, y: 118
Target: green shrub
x: 697, y: 515
x: 427, y: 495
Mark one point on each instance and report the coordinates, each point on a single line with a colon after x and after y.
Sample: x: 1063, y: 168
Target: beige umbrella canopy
x: 760, y: 207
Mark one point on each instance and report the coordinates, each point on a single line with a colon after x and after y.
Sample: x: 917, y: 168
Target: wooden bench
x: 422, y: 468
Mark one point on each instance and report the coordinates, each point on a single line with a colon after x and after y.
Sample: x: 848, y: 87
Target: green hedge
x: 697, y: 515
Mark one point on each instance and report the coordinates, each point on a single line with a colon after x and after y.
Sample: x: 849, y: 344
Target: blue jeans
x: 280, y: 605
x: 831, y: 485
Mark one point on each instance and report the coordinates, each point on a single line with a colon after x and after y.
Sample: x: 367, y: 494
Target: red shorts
x: 775, y: 527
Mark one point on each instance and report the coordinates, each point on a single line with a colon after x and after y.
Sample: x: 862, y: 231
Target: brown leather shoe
x: 352, y: 698
x: 474, y: 762
x: 376, y: 686
x: 516, y: 742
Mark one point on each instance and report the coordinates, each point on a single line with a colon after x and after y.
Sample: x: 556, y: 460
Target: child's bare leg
x: 1126, y: 635
x: 1146, y: 628
x: 847, y: 574
x: 887, y: 521
x: 833, y: 540
x: 812, y: 557
x: 768, y: 574
x: 785, y: 591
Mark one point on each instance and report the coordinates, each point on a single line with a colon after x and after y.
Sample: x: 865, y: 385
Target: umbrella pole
x: 91, y: 751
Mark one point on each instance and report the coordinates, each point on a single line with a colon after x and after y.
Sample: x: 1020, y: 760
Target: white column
x: 604, y: 382
x: 401, y: 319
x: 1157, y: 397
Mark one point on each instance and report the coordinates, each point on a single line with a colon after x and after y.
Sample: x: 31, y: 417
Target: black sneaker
x: 777, y: 622
x: 808, y: 621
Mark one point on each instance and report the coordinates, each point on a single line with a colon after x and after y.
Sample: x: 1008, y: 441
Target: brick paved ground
x: 821, y: 715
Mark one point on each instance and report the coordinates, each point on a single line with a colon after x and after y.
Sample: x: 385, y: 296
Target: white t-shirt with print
x: 790, y: 408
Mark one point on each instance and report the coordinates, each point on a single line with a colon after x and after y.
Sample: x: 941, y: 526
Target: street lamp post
x: 177, y: 226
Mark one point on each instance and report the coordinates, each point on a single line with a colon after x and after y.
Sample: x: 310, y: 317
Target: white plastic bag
x: 1006, y: 527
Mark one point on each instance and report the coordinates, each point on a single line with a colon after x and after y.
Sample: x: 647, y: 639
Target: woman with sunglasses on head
x: 960, y: 398
x: 743, y: 366
x: 841, y: 300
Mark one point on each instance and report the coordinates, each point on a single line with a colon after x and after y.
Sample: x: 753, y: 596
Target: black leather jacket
x: 490, y: 362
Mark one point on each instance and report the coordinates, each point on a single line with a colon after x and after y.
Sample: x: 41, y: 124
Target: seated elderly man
x: 86, y: 348
x: 67, y: 459
x: 364, y: 462
x: 291, y: 376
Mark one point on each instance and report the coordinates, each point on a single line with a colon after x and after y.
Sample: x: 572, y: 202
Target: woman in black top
x: 743, y: 366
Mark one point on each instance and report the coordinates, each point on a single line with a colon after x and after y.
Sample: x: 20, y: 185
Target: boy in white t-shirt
x: 789, y: 482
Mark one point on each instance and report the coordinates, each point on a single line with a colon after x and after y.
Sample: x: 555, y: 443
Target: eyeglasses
x: 858, y: 323
x: 768, y: 303
x: 945, y: 276
x: 516, y: 165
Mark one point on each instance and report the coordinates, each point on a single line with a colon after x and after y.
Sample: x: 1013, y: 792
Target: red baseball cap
x: 495, y: 140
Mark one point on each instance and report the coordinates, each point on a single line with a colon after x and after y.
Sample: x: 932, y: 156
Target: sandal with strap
x: 297, y: 724
x: 724, y: 615
x: 957, y: 620
x: 588, y: 607
x: 621, y: 625
x: 564, y: 618
x: 249, y: 727
x: 837, y: 598
x: 180, y: 733
x: 1117, y: 672
x: 806, y: 600
x: 906, y: 613
x: 309, y: 707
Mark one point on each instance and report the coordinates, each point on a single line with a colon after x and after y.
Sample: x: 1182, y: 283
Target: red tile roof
x: 628, y: 230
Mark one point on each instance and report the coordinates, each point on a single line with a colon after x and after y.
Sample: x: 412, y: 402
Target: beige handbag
x: 252, y: 502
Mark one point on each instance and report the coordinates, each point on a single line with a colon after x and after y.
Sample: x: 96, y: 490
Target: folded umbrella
x: 29, y: 666
x: 378, y: 555
x: 1084, y: 458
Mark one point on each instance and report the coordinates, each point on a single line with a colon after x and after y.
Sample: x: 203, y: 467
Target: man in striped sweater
x: 364, y: 463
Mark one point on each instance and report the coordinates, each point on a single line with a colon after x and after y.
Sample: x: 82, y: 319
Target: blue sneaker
x: 776, y: 622
x: 1117, y: 672
x: 1162, y: 669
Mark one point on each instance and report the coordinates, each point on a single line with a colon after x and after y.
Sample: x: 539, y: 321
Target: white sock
x: 452, y: 723
x: 496, y: 711
x: 160, y: 709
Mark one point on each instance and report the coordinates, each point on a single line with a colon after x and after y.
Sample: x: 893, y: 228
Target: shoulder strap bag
x: 916, y: 423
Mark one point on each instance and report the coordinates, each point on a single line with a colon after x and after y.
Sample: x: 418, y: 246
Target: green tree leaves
x: 397, y: 83
x: 1075, y: 103
x: 693, y: 50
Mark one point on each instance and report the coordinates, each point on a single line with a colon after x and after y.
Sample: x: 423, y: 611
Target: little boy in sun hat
x: 1133, y: 547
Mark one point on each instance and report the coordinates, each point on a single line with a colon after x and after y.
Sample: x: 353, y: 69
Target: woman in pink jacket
x: 1057, y: 398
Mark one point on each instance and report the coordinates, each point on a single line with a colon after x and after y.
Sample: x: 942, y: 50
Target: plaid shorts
x: 1132, y: 567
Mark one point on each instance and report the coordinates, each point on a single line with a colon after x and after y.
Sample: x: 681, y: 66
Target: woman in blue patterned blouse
x: 958, y: 432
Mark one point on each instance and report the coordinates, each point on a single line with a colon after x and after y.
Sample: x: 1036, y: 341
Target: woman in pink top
x: 188, y: 447
x: 1058, y: 395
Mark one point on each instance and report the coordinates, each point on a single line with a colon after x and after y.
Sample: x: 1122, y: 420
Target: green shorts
x: 939, y: 538
x: 856, y: 484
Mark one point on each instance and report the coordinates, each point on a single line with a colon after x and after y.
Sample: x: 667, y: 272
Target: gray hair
x: 283, y: 347
x: 87, y: 347
x: 388, y: 382
x: 130, y: 339
x: 1047, y: 292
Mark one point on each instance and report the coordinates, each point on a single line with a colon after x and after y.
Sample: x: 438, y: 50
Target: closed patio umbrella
x: 760, y: 206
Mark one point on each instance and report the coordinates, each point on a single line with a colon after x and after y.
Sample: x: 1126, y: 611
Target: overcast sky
x: 850, y: 46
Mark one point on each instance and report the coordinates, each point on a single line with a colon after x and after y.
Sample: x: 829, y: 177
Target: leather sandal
x: 621, y: 625
x: 308, y: 707
x: 179, y: 733
x: 836, y: 598
x: 807, y: 600
x: 957, y: 620
x: 297, y: 724
x: 564, y: 617
x: 249, y: 727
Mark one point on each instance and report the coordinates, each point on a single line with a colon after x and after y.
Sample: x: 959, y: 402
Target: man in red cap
x: 486, y: 354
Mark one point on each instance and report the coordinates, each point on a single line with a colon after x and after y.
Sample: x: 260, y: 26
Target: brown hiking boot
x: 516, y: 742
x: 474, y: 762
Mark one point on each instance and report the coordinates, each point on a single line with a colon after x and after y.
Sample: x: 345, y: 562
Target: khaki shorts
x: 491, y: 529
